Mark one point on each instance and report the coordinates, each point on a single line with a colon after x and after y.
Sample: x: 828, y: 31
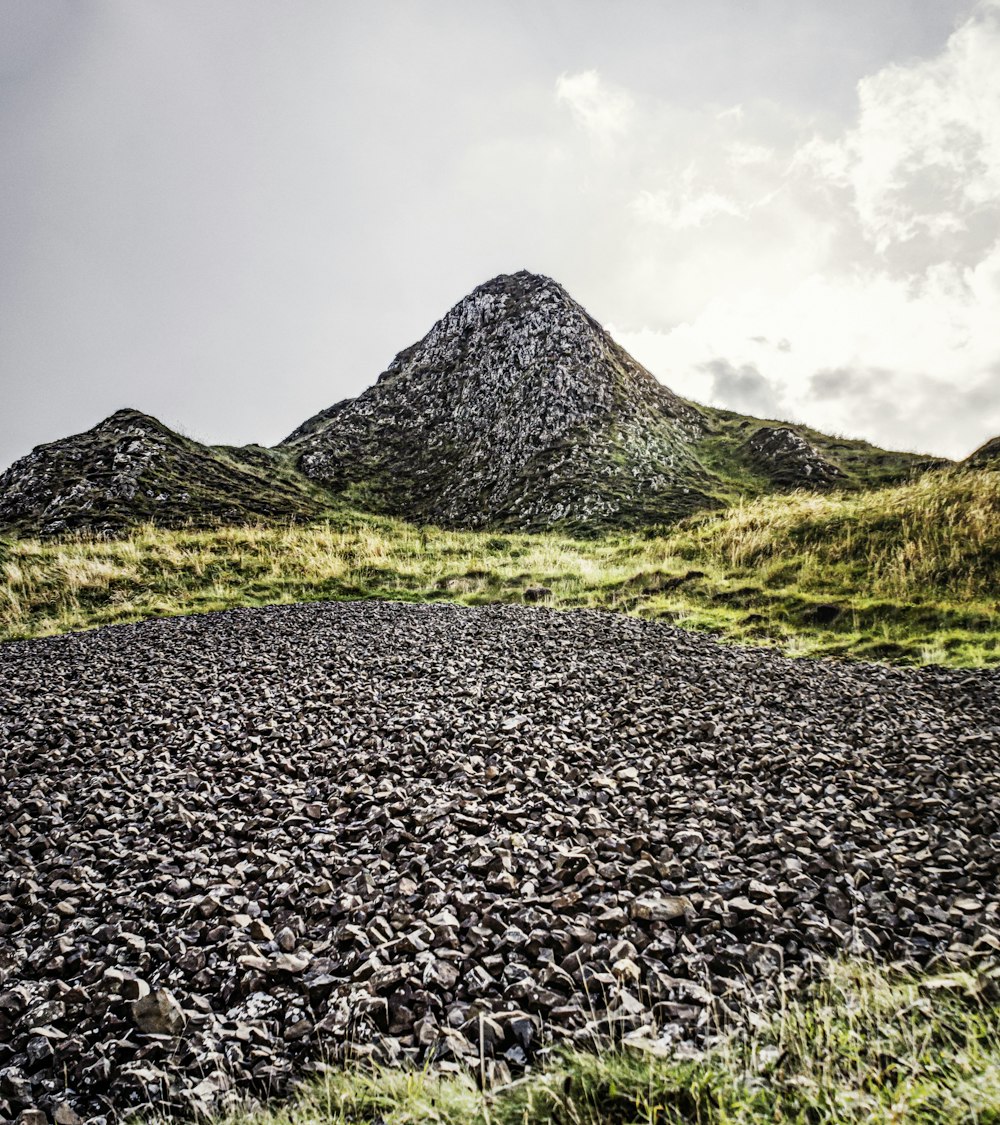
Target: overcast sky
x: 233, y: 213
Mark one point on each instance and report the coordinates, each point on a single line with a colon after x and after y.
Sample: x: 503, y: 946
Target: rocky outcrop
x: 130, y: 468
x: 517, y: 409
x: 987, y: 456
x: 431, y: 833
x: 788, y: 460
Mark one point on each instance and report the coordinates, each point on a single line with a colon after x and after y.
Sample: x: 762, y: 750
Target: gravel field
x: 236, y: 843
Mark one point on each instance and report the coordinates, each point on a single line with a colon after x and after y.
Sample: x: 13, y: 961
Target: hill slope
x: 987, y: 456
x: 130, y: 468
x: 907, y: 574
x: 518, y: 410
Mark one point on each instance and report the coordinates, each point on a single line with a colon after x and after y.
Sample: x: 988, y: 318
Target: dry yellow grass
x: 939, y: 533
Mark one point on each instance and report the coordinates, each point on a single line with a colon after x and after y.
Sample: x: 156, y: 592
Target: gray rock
x: 650, y: 908
x: 662, y: 831
x: 159, y: 1013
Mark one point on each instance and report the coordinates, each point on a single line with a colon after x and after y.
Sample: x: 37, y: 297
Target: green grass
x: 864, y: 465
x: 863, y: 1045
x: 908, y: 574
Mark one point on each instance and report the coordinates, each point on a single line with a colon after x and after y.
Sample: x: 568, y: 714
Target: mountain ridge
x: 516, y: 410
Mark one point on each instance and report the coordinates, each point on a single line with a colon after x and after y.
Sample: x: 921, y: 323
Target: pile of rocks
x: 516, y: 410
x: 236, y: 845
x: 789, y: 460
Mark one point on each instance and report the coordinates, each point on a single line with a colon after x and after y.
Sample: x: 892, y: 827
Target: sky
x: 234, y: 213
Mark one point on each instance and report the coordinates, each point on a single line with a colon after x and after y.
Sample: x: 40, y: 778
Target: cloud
x: 743, y: 389
x: 922, y: 162
x: 835, y: 382
x: 742, y: 153
x: 684, y: 204
x: 929, y: 352
x: 909, y: 404
x: 868, y: 255
x: 600, y: 108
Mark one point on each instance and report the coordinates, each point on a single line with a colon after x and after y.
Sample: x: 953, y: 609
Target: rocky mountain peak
x: 129, y: 416
x: 517, y: 316
x: 517, y: 408
x: 526, y: 324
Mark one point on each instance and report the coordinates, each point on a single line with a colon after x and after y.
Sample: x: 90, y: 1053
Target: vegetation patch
x: 864, y: 1045
x: 908, y: 574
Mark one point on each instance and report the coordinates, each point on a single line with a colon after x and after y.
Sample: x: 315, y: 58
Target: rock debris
x: 238, y: 844
x: 516, y: 410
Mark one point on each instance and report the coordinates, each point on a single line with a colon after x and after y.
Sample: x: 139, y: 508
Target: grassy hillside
x: 722, y: 451
x: 862, y: 1046
x: 908, y: 574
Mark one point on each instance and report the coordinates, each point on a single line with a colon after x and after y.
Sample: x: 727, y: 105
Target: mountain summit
x: 516, y: 409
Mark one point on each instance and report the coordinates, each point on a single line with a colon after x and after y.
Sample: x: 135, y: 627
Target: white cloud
x: 734, y: 111
x: 744, y: 388
x: 602, y: 109
x: 742, y: 153
x: 683, y: 210
x: 926, y: 152
x: 932, y: 350
x: 873, y: 252
x: 684, y: 204
x: 924, y: 158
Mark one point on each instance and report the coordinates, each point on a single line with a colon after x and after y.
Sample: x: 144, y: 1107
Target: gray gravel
x: 233, y: 844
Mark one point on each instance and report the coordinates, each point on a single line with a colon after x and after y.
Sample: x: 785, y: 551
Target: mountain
x: 131, y: 468
x: 518, y: 410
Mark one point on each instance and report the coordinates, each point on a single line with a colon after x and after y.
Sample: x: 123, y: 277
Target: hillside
x: 986, y: 456
x: 131, y: 468
x: 752, y: 457
x: 518, y: 410
x: 909, y: 573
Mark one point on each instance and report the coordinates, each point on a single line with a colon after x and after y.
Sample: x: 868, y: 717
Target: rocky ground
x: 131, y: 468
x: 238, y: 843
